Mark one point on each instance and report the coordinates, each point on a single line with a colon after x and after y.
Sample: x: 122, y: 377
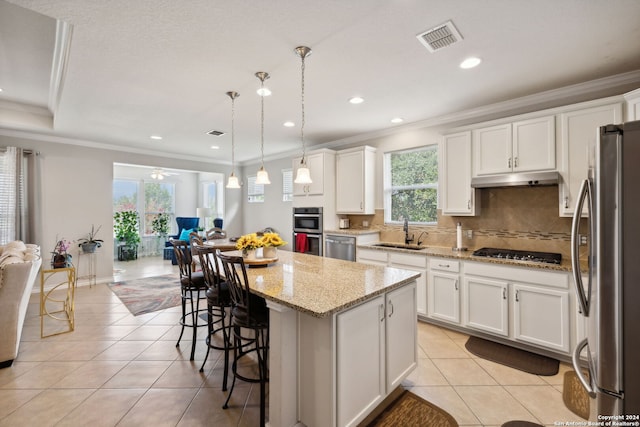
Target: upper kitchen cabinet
x: 633, y: 105
x: 579, y: 131
x: 522, y: 146
x: 321, y: 166
x: 355, y: 175
x: 458, y: 198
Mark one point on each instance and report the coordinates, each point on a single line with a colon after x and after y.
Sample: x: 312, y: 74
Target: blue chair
x: 184, y: 223
x: 218, y: 223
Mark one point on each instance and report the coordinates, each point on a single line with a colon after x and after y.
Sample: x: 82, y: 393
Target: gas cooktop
x: 545, y: 257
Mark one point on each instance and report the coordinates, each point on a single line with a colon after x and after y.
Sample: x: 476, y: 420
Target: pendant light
x: 233, y: 179
x: 262, y: 177
x: 303, y: 176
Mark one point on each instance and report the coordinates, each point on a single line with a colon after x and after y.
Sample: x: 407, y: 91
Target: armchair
x: 184, y: 223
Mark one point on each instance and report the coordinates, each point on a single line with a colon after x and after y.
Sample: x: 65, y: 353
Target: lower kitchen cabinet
x: 487, y: 305
x: 443, y: 290
x: 541, y: 316
x: 376, y: 349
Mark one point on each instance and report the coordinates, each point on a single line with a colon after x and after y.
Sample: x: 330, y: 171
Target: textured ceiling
x: 162, y: 67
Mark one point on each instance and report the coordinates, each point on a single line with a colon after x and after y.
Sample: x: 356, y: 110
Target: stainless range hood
x: 528, y: 179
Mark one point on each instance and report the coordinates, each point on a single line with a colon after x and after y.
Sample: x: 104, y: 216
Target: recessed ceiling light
x: 263, y: 91
x: 156, y: 137
x: 397, y: 120
x: 0, y: 89
x: 215, y: 147
x: 356, y: 100
x: 470, y: 62
x: 288, y: 124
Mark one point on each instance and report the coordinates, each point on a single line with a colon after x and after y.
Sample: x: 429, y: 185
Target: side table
x: 90, y: 269
x: 64, y: 304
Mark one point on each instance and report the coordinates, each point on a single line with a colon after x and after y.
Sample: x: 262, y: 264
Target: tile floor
x: 117, y: 369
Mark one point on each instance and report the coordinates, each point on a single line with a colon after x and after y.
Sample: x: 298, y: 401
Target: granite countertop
x: 467, y: 255
x: 352, y: 231
x: 321, y: 286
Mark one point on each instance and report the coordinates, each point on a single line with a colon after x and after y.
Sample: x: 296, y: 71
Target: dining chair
x: 192, y: 290
x: 218, y: 303
x: 216, y: 233
x: 250, y: 324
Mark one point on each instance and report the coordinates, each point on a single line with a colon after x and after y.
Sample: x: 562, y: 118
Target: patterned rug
x: 513, y: 357
x: 148, y: 294
x: 410, y: 410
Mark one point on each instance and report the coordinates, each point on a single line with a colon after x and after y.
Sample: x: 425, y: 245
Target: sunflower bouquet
x: 248, y: 242
x: 272, y: 239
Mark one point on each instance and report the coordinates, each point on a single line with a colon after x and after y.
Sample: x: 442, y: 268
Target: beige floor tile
x: 181, y: 374
x: 493, y: 404
x: 558, y: 379
x: 425, y: 374
x: 442, y: 348
x: 83, y: 350
x: 147, y: 333
x: 206, y: 408
x: 456, y: 336
x: 463, y: 372
x: 545, y: 402
x: 105, y: 407
x: 446, y: 398
x: 91, y: 375
x: 36, y: 351
x: 138, y: 374
x: 10, y: 400
x: 505, y: 375
x: 159, y: 407
x: 124, y: 350
x: 428, y: 331
x: 43, y: 376
x: 17, y: 368
x: 163, y: 350
x: 47, y: 408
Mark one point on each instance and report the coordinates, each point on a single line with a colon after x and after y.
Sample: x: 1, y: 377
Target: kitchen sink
x: 399, y: 246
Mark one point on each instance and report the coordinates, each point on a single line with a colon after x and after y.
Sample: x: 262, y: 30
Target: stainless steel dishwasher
x: 340, y: 247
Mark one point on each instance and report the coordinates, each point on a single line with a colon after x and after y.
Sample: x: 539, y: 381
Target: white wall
x: 77, y: 192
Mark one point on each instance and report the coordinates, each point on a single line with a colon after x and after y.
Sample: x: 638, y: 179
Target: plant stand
x: 127, y: 252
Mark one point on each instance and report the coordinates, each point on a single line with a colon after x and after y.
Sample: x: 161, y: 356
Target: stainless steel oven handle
x: 584, y: 193
x: 575, y: 359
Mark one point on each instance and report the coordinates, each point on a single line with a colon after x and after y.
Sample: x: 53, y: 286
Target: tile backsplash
x: 523, y: 218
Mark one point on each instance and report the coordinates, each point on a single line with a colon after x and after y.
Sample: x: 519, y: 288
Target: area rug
x: 513, y: 357
x: 519, y: 423
x: 148, y: 294
x: 574, y: 396
x: 412, y: 410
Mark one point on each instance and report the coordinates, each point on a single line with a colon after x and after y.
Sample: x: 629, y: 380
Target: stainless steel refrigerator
x: 610, y: 297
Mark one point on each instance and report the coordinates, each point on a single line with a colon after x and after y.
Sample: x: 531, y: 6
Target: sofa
x: 19, y: 267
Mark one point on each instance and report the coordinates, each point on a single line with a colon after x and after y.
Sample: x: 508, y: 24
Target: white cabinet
x: 405, y: 261
x: 486, y: 305
x: 443, y: 290
x: 355, y: 175
x: 522, y: 146
x: 458, y: 198
x: 579, y: 132
x: 541, y: 316
x: 633, y: 106
x: 376, y: 349
x: 417, y: 263
x: 316, y: 165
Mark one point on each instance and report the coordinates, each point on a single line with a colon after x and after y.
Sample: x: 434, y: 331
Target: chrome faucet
x: 407, y: 239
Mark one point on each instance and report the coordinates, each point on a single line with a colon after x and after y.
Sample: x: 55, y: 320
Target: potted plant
x: 125, y: 226
x: 160, y: 226
x: 60, y: 258
x: 89, y: 244
x: 248, y: 245
x: 270, y: 242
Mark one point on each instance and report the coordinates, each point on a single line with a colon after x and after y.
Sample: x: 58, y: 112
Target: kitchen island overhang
x: 331, y: 321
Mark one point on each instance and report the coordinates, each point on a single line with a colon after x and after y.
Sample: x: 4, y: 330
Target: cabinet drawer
x: 372, y: 255
x: 517, y: 274
x: 419, y: 261
x: 444, y: 264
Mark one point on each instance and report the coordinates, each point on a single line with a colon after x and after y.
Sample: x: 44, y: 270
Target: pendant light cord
x: 302, y: 109
x: 262, y: 124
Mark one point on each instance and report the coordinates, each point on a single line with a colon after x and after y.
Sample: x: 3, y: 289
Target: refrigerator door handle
x: 575, y: 359
x: 585, y: 193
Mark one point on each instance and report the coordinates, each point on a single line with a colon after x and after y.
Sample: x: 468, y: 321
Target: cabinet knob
x: 509, y: 162
x: 469, y: 204
x: 456, y: 284
x: 504, y: 293
x: 515, y: 162
x: 517, y: 296
x: 391, y: 305
x: 443, y: 265
x: 566, y: 202
x: 381, y: 312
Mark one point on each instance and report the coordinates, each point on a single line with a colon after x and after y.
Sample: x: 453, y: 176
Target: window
x: 212, y: 198
x: 287, y: 185
x: 411, y: 185
x: 125, y: 195
x: 255, y: 191
x: 158, y: 198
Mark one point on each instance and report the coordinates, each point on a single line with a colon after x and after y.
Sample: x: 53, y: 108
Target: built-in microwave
x: 307, y: 220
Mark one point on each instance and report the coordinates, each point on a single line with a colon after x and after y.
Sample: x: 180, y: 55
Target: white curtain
x: 19, y: 188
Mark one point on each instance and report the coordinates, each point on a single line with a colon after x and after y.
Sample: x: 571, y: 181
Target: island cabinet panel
x: 401, y: 333
x: 360, y: 346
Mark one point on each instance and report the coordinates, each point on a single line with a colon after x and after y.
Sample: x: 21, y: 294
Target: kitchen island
x: 342, y: 337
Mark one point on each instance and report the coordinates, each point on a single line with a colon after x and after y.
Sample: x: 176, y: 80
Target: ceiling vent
x: 215, y: 133
x: 439, y: 37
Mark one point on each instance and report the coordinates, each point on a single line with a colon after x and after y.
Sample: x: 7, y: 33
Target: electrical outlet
x: 365, y: 224
x: 583, y: 239
x: 469, y: 234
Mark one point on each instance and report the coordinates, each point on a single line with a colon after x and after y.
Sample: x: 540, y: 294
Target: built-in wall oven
x: 307, y: 230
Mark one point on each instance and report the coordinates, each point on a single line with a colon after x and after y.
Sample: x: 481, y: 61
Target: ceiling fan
x: 159, y: 173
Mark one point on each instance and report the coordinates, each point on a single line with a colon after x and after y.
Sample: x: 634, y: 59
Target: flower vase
x: 249, y: 254
x: 270, y: 252
x: 60, y: 260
